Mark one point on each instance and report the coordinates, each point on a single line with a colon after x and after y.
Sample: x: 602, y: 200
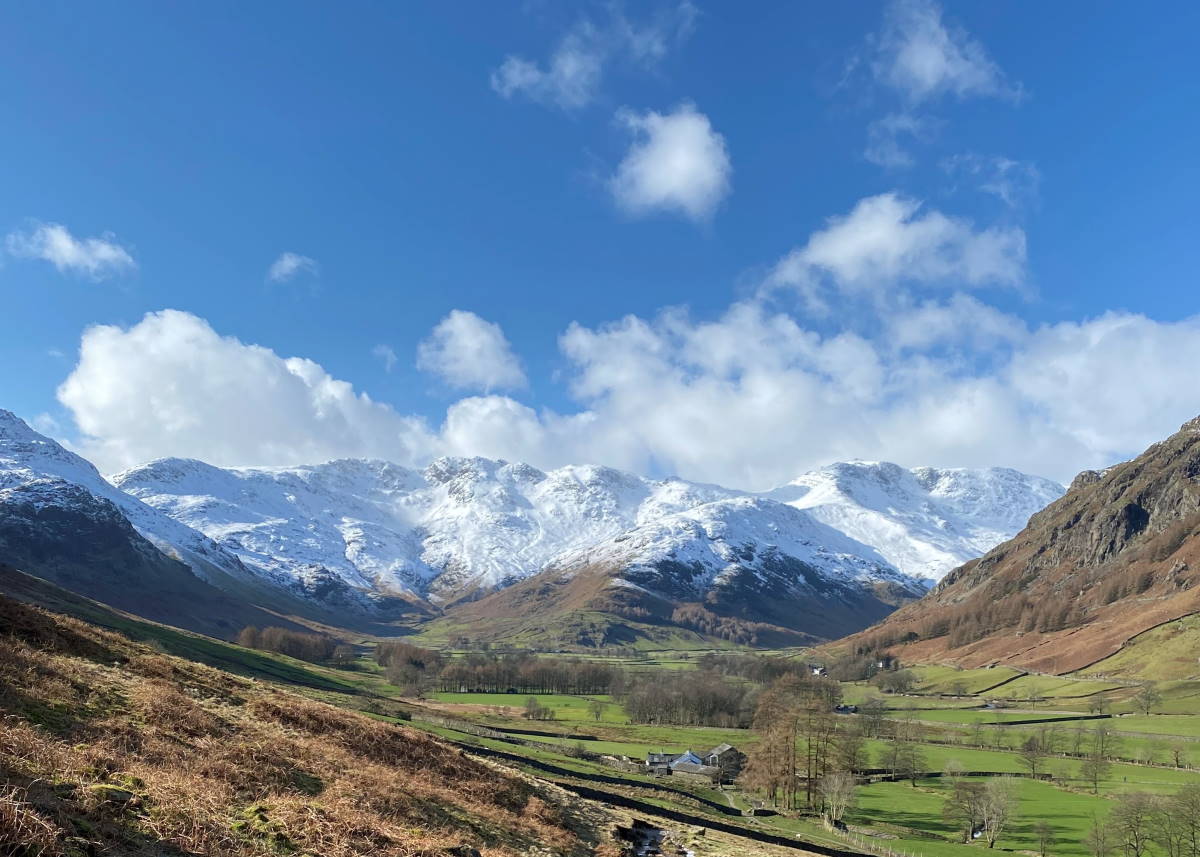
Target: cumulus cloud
x: 570, y: 78
x: 750, y: 398
x: 290, y: 265
x: 171, y: 385
x: 677, y: 163
x: 890, y: 239
x: 470, y: 353
x: 386, y: 355
x: 922, y: 57
x: 96, y: 258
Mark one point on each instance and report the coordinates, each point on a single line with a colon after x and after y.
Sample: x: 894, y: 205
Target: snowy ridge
x: 720, y: 540
x: 459, y: 525
x: 37, y: 467
x: 924, y: 521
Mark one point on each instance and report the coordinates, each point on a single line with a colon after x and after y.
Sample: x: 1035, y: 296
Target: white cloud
x: 571, y: 77
x: 470, y: 353
x: 890, y: 239
x: 883, y: 138
x: 290, y: 265
x: 677, y: 162
x: 748, y: 399
x: 1013, y: 182
x: 386, y: 355
x: 96, y: 258
x: 922, y: 58
x: 170, y: 385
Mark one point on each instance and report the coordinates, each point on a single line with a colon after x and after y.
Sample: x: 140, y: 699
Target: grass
x: 914, y: 815
x: 1165, y: 653
x: 943, y: 679
x: 571, y: 709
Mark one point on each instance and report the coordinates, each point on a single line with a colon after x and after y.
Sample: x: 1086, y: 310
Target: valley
x: 684, y: 672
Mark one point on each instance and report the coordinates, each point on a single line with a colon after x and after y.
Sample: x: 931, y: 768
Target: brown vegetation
x: 107, y: 746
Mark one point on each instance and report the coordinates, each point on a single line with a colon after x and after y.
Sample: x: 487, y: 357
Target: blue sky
x: 1032, y: 168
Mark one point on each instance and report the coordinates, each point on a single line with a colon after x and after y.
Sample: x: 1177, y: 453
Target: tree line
x: 303, y: 645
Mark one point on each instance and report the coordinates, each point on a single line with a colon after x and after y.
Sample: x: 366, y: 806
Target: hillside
x: 1117, y: 556
x: 108, y: 746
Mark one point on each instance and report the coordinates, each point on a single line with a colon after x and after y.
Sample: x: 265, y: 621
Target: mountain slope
x: 1117, y: 555
x: 110, y: 747
x: 924, y: 521
x: 61, y: 520
x: 744, y: 569
x: 61, y: 532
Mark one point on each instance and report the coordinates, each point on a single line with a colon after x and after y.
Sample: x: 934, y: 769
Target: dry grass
x: 24, y: 832
x: 106, y: 742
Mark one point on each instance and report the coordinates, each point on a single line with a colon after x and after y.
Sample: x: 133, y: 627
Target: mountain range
x: 354, y: 542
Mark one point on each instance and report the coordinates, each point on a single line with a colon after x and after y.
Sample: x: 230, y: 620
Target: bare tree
x: 1147, y: 699
x: 596, y: 708
x: 837, y: 791
x: 871, y: 713
x: 964, y: 808
x: 1178, y: 751
x: 953, y: 771
x: 1099, y: 838
x: 997, y: 808
x: 1100, y: 703
x: 1032, y: 754
x: 1184, y: 809
x: 976, y: 732
x: 1045, y: 836
x: 1132, y: 821
x: 850, y: 750
x: 1093, y: 769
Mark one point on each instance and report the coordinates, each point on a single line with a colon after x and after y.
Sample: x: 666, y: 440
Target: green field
x: 1168, y: 652
x: 943, y: 679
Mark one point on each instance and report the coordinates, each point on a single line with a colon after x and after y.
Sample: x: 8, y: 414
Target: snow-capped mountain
x: 36, y: 466
x: 924, y: 521
x: 353, y: 533
x: 717, y: 542
x: 465, y: 525
x: 460, y: 525
x: 63, y: 522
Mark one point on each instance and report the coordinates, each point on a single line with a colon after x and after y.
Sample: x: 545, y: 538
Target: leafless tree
x: 997, y: 808
x: 1032, y: 754
x: 1132, y: 821
x: 1099, y: 839
x: 837, y: 791
x: 1147, y: 699
x: 1045, y: 835
x: 964, y: 808
x: 1093, y: 769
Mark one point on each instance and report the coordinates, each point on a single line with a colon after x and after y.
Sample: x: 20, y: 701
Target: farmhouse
x: 699, y: 773
x: 720, y: 764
